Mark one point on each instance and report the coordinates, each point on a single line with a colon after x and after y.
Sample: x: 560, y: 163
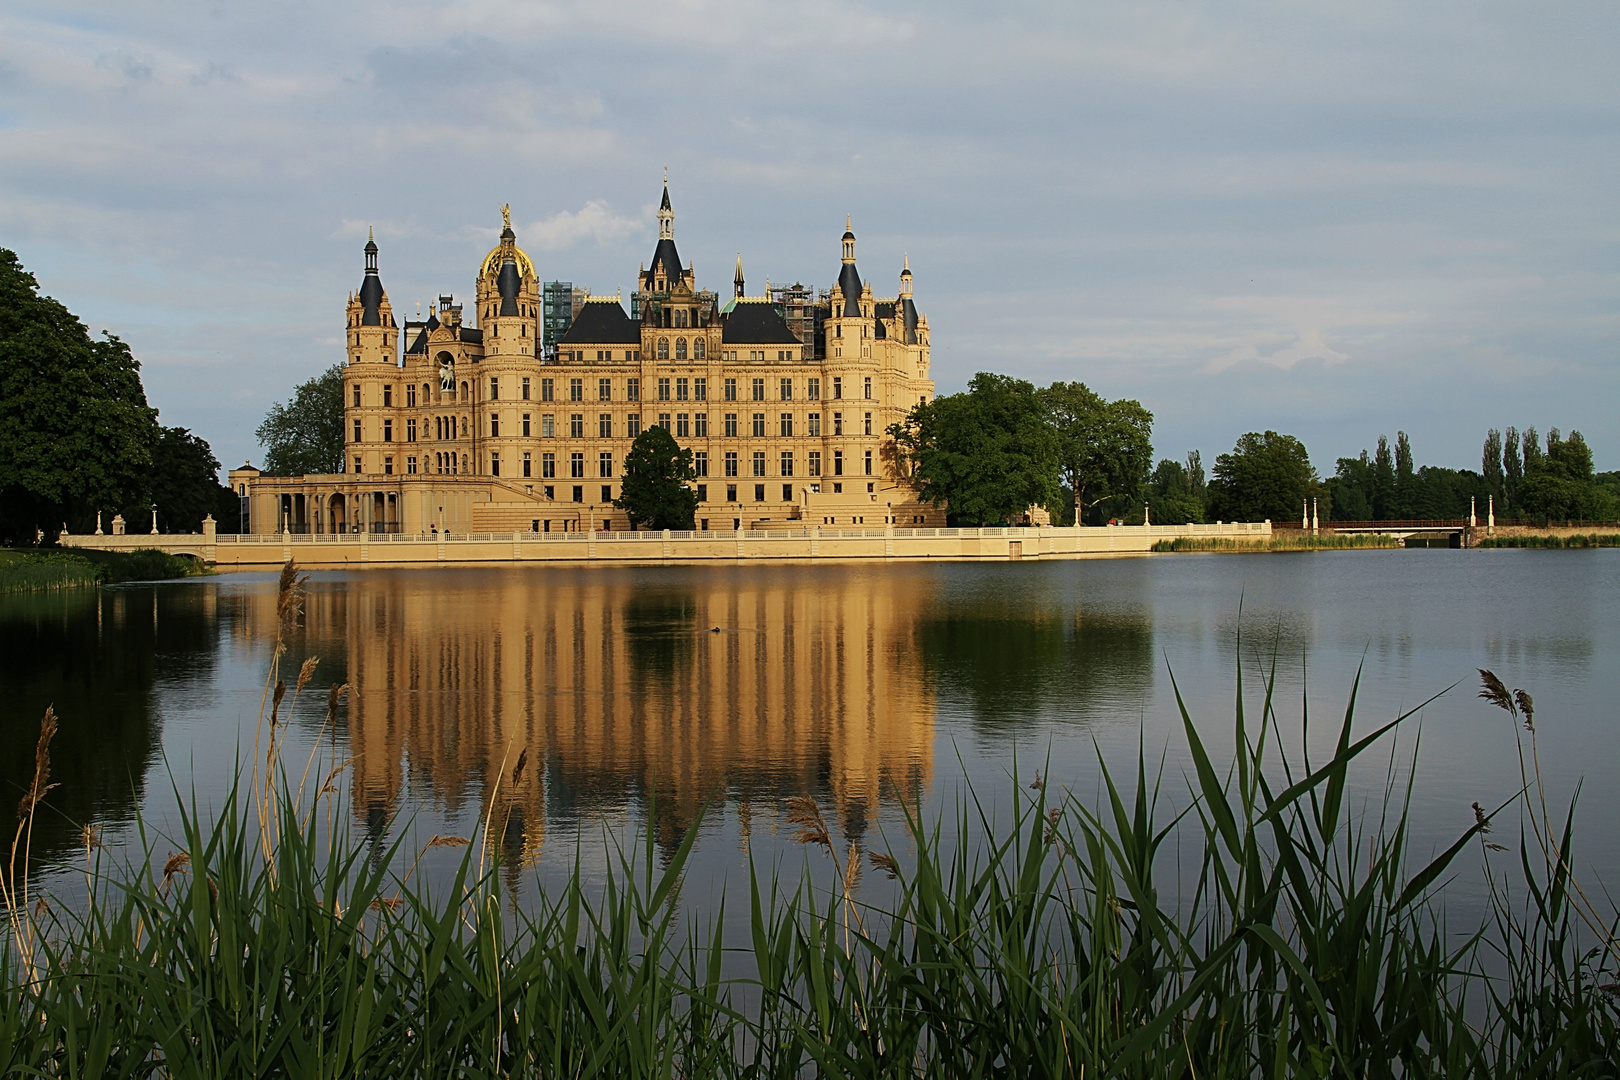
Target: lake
x: 638, y: 696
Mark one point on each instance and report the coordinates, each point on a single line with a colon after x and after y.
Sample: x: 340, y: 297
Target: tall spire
x: 849, y: 281
x: 371, y: 290
x: 849, y: 241
x: 666, y: 214
x: 737, y: 279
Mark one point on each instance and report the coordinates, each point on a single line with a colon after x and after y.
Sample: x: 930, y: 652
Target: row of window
x: 681, y: 425
x: 682, y: 388
x: 448, y: 464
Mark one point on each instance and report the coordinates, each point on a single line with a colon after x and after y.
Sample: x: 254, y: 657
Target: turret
x: 666, y: 214
x: 908, y: 308
x: 849, y: 280
x: 371, y: 290
x: 737, y: 279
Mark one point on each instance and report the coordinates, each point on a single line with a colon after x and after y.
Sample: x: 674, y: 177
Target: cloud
x: 594, y: 221
x: 1284, y: 352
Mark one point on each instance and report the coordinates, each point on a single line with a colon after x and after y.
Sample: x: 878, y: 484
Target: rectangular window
x: 663, y: 389
x: 607, y: 496
x: 410, y: 431
x: 812, y: 389
x: 700, y: 463
x: 787, y: 390
x: 357, y: 466
x: 548, y: 466
x: 579, y: 493
x: 700, y: 389
x: 576, y: 465
x: 731, y: 493
x: 545, y: 390
x: 528, y: 465
x: 838, y: 463
x: 410, y: 396
x: 604, y: 425
x: 731, y: 425
x: 759, y: 492
x: 703, y: 493
x: 632, y: 425
x: 868, y: 463
x: 525, y: 425
x: 494, y: 426
x: 731, y: 389
x: 525, y: 389
x: 388, y: 431
x: 357, y: 431
x: 604, y: 389
x: 388, y: 396
x: 632, y: 389
x: 576, y: 389
x: 494, y: 464
x: 388, y: 466
x: 787, y: 463
x: 494, y: 388
x: 682, y: 388
x: 867, y: 383
x: 410, y: 466
x: 838, y: 423
x: 604, y: 465
x: 759, y: 425
x: 787, y: 492
x: 759, y: 389
x: 785, y: 424
x: 548, y: 426
x: 700, y: 425
x: 813, y: 466
x: 838, y: 387
x: 357, y: 397
x: 731, y: 463
x: 867, y: 424
x: 663, y: 420
x: 759, y: 463
x: 576, y: 425
x: 683, y: 427
x: 813, y: 425
x: 551, y: 493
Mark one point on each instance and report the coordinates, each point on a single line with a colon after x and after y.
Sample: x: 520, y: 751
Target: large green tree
x: 989, y: 453
x: 186, y: 487
x: 76, y: 433
x: 305, y: 435
x: 1105, y: 448
x: 1175, y: 494
x: 1560, y: 484
x: 656, y: 489
x: 1266, y: 477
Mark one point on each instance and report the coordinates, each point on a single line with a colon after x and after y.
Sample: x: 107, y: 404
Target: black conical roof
x: 665, y: 204
x: 508, y: 283
x: 850, y: 282
x: 371, y: 295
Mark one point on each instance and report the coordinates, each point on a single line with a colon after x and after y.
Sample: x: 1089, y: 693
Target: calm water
x: 639, y: 694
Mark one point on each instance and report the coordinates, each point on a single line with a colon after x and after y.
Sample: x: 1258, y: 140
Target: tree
x: 1383, y: 492
x: 1265, y: 477
x: 185, y: 485
x: 1352, y: 486
x: 1559, y: 485
x: 76, y: 433
x: 1491, y: 463
x: 1404, y: 477
x: 989, y: 453
x: 1512, y: 468
x: 655, y: 489
x: 1105, y: 448
x: 305, y: 435
x: 1170, y: 494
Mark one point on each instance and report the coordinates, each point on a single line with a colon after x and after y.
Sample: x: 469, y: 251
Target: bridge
x: 268, y: 551
x: 1454, y: 531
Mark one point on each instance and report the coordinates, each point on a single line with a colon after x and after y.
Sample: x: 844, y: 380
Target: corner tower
x: 370, y: 373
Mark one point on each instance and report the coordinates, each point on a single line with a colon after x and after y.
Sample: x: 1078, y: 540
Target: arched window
x: 680, y: 320
x: 680, y: 348
x: 426, y: 393
x: 464, y: 396
x: 663, y: 348
x: 698, y: 351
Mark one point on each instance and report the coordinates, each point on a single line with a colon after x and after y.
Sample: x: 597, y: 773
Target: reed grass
x: 1580, y: 540
x: 49, y: 571
x: 1277, y: 542
x: 1314, y: 944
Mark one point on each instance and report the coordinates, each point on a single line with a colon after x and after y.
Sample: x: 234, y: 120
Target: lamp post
x: 154, y: 519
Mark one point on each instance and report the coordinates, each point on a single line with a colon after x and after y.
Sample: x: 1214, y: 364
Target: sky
x: 1333, y: 221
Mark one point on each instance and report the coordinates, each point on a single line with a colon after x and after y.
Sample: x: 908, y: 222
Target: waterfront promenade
x: 259, y: 551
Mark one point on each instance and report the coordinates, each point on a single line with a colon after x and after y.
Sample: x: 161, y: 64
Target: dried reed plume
x: 42, y: 767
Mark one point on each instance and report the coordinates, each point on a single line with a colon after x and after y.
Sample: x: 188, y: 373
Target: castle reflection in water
x: 628, y: 687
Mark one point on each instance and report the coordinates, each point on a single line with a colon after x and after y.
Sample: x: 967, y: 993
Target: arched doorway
x: 337, y: 512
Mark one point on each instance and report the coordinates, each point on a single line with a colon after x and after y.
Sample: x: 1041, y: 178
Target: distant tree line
x: 76, y: 433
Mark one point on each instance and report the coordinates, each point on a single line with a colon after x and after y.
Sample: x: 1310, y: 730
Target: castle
x: 458, y: 425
